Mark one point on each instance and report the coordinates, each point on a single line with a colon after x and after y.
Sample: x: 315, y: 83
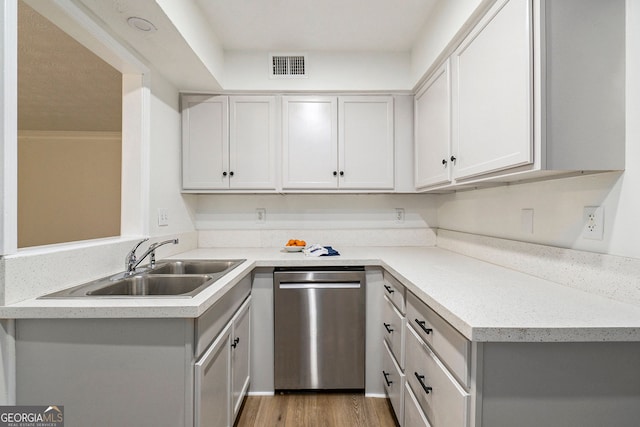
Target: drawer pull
x: 386, y: 378
x: 235, y: 342
x: 387, y: 326
x: 388, y: 288
x: 424, y: 328
x: 420, y: 378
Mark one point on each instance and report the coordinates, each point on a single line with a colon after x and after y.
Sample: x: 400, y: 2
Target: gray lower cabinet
x: 240, y: 350
x: 212, y: 404
x: 393, y: 354
x: 222, y: 373
x: 176, y: 372
x: 452, y: 382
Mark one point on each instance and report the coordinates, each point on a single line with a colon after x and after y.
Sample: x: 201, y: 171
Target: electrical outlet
x: 261, y: 215
x: 593, y: 220
x: 163, y: 217
x: 399, y: 214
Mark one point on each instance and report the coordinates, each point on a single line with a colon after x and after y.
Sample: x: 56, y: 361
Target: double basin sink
x: 171, y: 278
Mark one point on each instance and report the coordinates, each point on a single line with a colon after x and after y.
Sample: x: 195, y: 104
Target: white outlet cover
x: 526, y: 221
x: 261, y: 215
x: 593, y: 222
x: 163, y: 217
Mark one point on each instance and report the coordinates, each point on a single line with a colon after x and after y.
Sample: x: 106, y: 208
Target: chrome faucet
x: 132, y: 260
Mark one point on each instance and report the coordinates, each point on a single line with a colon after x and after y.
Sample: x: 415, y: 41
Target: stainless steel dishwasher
x: 319, y: 328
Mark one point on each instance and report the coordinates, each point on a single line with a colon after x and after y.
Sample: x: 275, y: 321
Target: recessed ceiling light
x: 141, y: 24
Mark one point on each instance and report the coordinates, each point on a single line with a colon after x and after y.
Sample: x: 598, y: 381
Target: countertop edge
x: 395, y: 264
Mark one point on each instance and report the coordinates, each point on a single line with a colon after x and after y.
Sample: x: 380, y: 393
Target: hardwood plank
x: 316, y: 410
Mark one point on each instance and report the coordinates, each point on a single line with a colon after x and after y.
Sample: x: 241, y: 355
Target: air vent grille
x: 288, y: 66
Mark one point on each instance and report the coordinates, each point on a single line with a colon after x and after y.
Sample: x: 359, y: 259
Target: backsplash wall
x: 337, y: 219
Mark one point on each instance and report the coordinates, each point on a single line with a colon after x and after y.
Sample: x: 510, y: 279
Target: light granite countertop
x: 485, y: 302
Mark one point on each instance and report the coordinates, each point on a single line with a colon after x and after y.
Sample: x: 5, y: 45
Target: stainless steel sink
x: 183, y: 266
x: 171, y: 278
x: 152, y: 285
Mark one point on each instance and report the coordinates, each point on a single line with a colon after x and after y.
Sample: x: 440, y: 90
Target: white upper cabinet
x: 433, y: 130
x: 252, y: 142
x: 365, y: 140
x: 492, y: 93
x: 205, y: 142
x: 310, y: 142
x: 228, y: 142
x: 537, y: 90
x: 338, y: 143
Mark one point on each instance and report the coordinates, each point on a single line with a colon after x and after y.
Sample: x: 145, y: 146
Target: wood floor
x: 316, y: 410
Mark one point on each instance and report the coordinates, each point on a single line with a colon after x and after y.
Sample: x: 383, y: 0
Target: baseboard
x: 260, y: 393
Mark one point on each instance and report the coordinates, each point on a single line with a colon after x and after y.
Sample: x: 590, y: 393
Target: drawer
x: 393, y: 380
x: 451, y: 346
x: 443, y: 400
x: 395, y: 291
x: 413, y: 415
x: 393, y: 324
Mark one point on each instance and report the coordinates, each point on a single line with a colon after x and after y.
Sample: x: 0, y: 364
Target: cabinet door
x: 413, y: 415
x: 310, y: 145
x: 240, y: 355
x: 365, y: 141
x: 252, y: 138
x: 393, y: 382
x: 205, y: 142
x: 433, y: 131
x: 492, y: 86
x: 393, y: 329
x: 212, y: 398
x: 443, y: 400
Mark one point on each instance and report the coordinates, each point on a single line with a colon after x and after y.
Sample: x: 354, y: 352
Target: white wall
x: 336, y: 219
x: 445, y: 21
x: 196, y: 31
x: 166, y: 176
x: 328, y: 71
x: 558, y: 204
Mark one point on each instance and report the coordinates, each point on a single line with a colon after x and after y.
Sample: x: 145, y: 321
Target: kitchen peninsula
x: 516, y: 325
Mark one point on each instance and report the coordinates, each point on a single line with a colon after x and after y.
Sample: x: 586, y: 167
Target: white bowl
x: 293, y: 248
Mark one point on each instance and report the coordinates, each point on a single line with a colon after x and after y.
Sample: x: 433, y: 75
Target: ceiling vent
x: 288, y: 66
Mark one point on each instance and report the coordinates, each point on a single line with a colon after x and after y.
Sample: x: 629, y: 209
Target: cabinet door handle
x: 420, y: 378
x: 235, y: 342
x: 341, y: 173
x: 424, y: 328
x: 224, y: 173
x: 335, y: 173
x: 444, y: 162
x: 388, y: 288
x: 386, y: 379
x: 231, y: 173
x: 453, y: 159
x: 387, y: 326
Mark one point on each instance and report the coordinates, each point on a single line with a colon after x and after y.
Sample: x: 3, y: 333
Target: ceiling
x: 325, y: 25
x: 194, y: 37
x: 55, y: 93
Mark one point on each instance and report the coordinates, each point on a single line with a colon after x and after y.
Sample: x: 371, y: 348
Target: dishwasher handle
x: 316, y: 285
